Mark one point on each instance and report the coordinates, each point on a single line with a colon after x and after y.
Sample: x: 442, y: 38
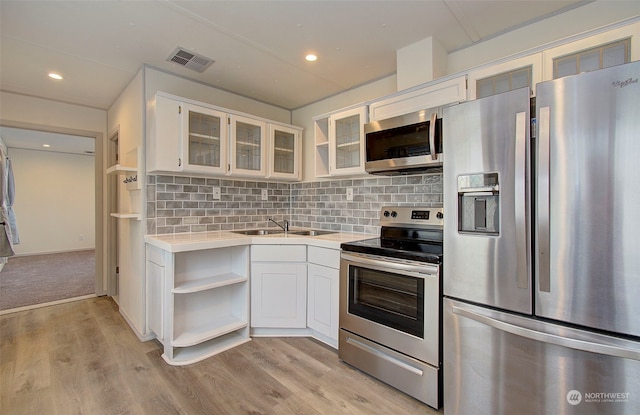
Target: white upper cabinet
x: 248, y: 146
x: 506, y: 82
x: 164, y: 140
x: 285, y: 153
x: 185, y: 136
x: 411, y: 100
x: 339, y: 143
x: 587, y: 61
x: 204, y: 139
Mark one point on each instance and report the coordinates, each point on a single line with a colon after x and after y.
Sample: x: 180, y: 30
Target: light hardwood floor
x: 82, y: 358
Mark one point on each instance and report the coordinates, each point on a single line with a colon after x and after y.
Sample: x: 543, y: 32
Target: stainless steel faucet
x: 284, y: 227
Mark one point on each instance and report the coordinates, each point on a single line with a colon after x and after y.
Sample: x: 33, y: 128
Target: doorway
x: 59, y: 182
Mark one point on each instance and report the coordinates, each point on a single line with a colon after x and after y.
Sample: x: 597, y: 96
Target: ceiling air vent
x: 190, y: 60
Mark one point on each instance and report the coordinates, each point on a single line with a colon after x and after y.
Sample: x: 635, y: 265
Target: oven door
x: 395, y: 303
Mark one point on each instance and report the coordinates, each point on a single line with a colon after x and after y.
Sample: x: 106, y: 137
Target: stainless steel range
x: 391, y: 302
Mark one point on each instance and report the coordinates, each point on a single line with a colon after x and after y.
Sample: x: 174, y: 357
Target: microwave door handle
x: 432, y: 136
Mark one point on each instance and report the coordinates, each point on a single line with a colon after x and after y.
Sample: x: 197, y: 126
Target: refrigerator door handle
x: 432, y: 136
x: 576, y: 344
x: 542, y: 226
x: 520, y: 193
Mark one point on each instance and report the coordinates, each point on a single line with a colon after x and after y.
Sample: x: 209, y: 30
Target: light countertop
x: 182, y: 242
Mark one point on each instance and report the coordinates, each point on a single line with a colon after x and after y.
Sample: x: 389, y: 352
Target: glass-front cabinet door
x: 346, y: 138
x: 204, y: 139
x: 285, y: 152
x: 248, y: 146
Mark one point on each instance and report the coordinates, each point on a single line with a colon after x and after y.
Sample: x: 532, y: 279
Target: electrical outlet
x: 216, y: 193
x: 349, y: 193
x: 82, y: 237
x: 265, y: 194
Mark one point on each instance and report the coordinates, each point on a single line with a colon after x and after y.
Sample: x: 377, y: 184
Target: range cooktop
x: 412, y: 233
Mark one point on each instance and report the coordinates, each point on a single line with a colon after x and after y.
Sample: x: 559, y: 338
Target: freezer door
x: 588, y: 193
x: 502, y: 364
x: 486, y: 200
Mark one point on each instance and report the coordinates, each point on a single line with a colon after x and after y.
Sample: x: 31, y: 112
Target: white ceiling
x: 258, y: 46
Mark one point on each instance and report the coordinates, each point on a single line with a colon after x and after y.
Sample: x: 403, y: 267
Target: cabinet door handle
x: 179, y: 162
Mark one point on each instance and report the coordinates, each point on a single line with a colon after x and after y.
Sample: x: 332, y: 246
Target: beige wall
x: 54, y: 204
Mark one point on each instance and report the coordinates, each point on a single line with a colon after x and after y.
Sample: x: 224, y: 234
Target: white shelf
x: 118, y: 169
x: 208, y: 137
x: 209, y: 283
x: 349, y: 144
x: 216, y: 327
x: 248, y: 144
x: 207, y: 349
x: 135, y: 216
x: 135, y: 185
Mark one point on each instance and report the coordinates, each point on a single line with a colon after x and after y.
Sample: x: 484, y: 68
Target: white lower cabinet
x: 198, y: 301
x: 278, y: 286
x: 323, y: 293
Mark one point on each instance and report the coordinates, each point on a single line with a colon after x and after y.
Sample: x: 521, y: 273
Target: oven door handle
x: 428, y: 269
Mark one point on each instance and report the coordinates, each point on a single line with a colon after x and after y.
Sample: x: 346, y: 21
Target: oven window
x: 393, y: 300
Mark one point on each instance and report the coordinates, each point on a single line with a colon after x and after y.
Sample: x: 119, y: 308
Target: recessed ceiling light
x: 311, y: 57
x: 46, y: 145
x: 55, y: 76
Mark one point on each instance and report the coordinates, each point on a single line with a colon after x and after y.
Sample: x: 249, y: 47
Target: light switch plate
x: 216, y: 193
x: 349, y: 193
x: 265, y: 194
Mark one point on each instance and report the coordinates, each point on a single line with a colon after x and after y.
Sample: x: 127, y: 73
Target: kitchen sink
x: 259, y: 231
x: 311, y: 232
x: 307, y: 232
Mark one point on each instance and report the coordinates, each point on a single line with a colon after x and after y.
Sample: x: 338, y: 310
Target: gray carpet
x: 37, y: 279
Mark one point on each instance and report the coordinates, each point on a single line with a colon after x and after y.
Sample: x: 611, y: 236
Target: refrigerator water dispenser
x: 479, y: 203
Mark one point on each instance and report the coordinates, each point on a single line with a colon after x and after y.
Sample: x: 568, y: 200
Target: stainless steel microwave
x: 410, y: 143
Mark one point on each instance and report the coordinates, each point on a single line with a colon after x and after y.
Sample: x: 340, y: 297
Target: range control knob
x: 439, y: 215
x: 394, y: 213
x: 386, y: 213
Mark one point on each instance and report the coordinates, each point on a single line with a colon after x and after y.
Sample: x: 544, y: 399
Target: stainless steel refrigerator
x: 542, y: 249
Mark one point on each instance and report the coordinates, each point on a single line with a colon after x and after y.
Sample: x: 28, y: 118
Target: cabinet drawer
x: 279, y: 253
x: 324, y: 256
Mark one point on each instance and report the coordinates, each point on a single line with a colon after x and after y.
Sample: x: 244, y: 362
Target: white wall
x: 127, y: 114
x: 55, y: 203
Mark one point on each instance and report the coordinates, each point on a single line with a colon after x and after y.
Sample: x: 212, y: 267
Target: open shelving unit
x: 201, y: 301
x: 132, y: 184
